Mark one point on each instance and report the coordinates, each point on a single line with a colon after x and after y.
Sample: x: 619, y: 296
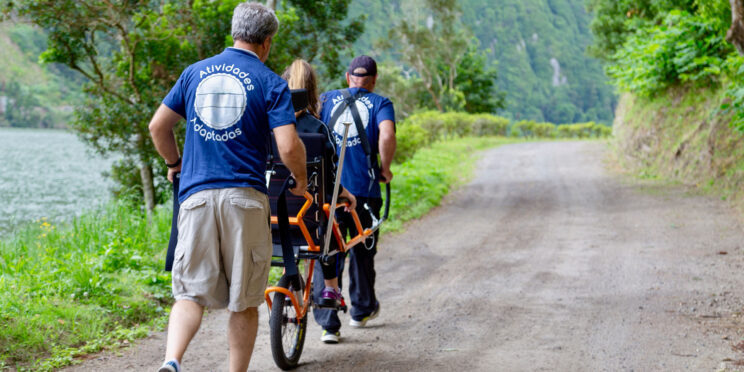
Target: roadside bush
x: 583, y: 130
x: 522, y: 129
x: 410, y: 138
x: 489, y: 125
x: 426, y: 127
x: 544, y: 130
x: 430, y: 121
x: 531, y: 129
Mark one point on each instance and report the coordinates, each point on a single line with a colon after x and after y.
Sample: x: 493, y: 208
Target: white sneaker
x: 329, y: 337
x: 170, y: 366
x: 363, y: 322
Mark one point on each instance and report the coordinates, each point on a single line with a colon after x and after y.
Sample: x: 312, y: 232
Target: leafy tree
x: 132, y: 51
x: 404, y: 87
x: 477, y: 80
x: 320, y: 33
x: 434, y: 47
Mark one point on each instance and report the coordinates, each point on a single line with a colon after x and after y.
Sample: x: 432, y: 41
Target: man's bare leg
x: 241, y: 335
x: 185, y: 319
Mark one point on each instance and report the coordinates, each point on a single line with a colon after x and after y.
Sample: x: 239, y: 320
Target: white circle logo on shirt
x: 346, y: 116
x: 220, y: 101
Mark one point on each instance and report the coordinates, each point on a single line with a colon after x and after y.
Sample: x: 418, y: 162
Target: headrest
x: 300, y: 99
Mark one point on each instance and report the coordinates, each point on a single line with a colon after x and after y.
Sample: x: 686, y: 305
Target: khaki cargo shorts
x: 224, y: 249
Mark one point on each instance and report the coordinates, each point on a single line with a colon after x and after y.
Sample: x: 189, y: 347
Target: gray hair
x: 253, y: 23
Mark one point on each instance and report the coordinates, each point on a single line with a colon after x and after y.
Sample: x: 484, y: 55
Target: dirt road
x: 546, y: 261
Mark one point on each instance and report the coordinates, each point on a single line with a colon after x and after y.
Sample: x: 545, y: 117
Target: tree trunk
x: 148, y: 188
x: 271, y: 4
x: 735, y: 34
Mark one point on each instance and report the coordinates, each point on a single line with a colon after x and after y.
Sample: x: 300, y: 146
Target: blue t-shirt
x: 373, y: 109
x: 231, y: 102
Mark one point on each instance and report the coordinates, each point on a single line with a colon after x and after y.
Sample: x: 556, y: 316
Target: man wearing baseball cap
x: 374, y: 116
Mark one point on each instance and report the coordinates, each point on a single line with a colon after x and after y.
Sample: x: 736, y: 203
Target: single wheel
x: 286, y: 332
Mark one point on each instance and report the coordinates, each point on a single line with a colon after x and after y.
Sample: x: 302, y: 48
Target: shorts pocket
x: 191, y: 204
x: 261, y: 253
x: 245, y: 203
x: 190, y: 211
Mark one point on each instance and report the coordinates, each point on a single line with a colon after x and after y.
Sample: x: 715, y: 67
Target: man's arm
x: 387, y: 144
x: 292, y: 153
x: 161, y: 130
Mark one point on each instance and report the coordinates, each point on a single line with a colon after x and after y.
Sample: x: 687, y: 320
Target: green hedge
x: 424, y: 128
x: 531, y: 129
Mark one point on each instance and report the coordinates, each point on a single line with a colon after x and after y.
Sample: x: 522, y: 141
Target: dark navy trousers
x: 361, y: 269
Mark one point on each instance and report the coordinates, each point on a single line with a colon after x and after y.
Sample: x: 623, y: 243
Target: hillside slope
x: 32, y: 95
x: 538, y: 47
x: 682, y: 136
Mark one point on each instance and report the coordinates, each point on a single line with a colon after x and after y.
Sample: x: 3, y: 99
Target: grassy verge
x: 98, y: 282
x: 76, y: 289
x: 420, y: 183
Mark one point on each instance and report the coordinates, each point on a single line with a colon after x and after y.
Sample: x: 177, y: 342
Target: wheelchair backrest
x: 315, y: 150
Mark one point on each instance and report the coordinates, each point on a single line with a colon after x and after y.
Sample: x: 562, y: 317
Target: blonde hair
x: 301, y: 75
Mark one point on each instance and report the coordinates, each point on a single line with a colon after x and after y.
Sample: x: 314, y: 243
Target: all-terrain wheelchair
x: 301, y: 229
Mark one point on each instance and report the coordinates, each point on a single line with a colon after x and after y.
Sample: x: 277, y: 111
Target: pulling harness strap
x: 173, y: 240
x: 350, y: 102
x: 290, y: 263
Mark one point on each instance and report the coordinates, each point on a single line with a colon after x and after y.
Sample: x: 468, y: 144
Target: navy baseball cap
x: 363, y: 66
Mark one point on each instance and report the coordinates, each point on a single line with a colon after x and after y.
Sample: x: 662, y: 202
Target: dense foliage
x: 682, y: 48
x: 661, y: 45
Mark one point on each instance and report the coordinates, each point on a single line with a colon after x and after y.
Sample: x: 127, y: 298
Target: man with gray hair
x: 231, y: 103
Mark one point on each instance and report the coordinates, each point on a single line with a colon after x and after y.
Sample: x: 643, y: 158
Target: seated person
x: 300, y: 75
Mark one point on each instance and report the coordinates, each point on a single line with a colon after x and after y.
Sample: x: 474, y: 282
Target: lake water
x: 47, y: 173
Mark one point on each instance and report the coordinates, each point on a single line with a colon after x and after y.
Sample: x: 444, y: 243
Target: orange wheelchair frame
x: 287, y: 330
x: 301, y: 310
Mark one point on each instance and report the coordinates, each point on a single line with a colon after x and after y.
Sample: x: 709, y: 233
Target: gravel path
x: 545, y: 262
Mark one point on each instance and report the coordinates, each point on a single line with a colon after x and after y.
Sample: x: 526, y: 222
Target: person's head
x: 254, y: 24
x: 300, y: 75
x: 362, y: 73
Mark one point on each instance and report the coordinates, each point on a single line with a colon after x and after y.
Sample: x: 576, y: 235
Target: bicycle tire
x: 286, y: 350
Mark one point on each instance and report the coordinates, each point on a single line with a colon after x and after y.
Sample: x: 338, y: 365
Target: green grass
x: 81, y: 287
x: 76, y: 289
x: 420, y: 183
